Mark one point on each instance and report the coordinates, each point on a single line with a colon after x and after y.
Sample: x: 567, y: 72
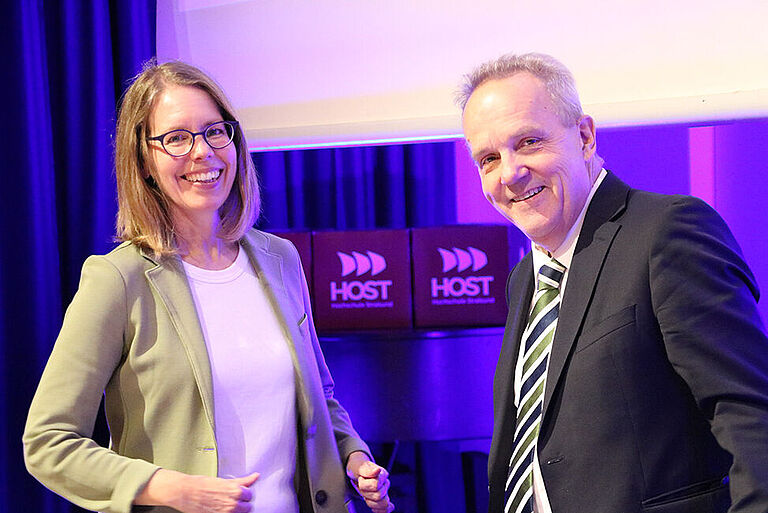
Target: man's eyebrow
x: 517, y: 134
x: 526, y: 130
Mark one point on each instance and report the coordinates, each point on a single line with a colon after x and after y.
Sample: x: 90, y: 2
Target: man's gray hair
x: 557, y: 79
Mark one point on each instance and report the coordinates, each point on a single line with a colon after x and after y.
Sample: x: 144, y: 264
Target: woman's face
x: 198, y: 183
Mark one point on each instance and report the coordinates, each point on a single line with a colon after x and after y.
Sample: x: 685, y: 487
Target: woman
x: 198, y: 331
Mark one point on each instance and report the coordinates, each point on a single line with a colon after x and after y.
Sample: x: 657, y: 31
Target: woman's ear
x: 140, y: 144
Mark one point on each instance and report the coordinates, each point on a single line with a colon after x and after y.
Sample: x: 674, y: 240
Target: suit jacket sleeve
x: 58, y: 449
x: 704, y: 297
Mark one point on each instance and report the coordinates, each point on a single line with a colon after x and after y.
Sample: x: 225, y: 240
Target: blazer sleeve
x: 704, y: 297
x: 347, y: 439
x: 58, y: 449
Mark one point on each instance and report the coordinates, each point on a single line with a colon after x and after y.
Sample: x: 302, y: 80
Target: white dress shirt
x: 564, y: 255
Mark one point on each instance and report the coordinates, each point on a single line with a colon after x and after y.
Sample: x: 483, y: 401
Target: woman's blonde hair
x: 143, y: 215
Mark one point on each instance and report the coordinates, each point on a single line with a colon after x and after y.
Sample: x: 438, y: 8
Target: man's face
x: 534, y: 170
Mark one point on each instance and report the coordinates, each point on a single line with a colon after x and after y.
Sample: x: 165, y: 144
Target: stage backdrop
x: 68, y: 61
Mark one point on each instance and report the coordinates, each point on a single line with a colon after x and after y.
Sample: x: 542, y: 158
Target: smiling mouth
x: 203, y: 177
x: 528, y: 195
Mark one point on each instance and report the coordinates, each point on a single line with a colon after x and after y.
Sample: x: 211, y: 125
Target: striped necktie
x: 537, y: 337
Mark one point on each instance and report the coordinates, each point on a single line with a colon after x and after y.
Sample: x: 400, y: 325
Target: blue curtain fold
x: 66, y: 63
x: 367, y: 187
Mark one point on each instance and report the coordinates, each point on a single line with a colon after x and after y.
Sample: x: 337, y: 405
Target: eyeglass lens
x: 217, y: 135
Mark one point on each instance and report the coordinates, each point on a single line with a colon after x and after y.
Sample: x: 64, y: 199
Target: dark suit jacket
x: 657, y: 389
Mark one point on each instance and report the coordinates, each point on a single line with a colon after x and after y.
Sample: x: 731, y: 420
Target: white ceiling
x: 335, y: 72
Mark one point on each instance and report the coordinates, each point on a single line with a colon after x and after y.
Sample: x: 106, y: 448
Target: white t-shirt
x: 253, y: 382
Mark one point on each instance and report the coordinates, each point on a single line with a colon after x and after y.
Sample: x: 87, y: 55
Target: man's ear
x: 587, y: 135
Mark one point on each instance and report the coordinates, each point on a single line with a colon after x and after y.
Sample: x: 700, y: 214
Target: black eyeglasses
x: 179, y: 142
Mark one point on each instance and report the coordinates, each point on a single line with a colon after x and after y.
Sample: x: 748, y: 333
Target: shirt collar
x: 564, y: 253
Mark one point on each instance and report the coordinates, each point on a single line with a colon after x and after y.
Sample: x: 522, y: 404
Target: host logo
x: 357, y: 290
x: 463, y: 258
x: 458, y: 286
x: 361, y: 263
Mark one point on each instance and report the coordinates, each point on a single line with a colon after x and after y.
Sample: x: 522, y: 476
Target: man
x: 640, y: 383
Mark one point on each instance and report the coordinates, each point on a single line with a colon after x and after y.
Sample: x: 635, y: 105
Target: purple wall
x: 741, y: 192
x: 650, y: 158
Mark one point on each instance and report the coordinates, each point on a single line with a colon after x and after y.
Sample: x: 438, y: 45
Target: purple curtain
x: 366, y: 187
x: 67, y: 63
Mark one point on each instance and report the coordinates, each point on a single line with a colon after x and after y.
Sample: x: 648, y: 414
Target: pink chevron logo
x: 462, y: 259
x: 361, y: 263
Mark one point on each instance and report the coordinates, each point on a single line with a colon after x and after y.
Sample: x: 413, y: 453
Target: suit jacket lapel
x: 269, y: 268
x: 519, y: 292
x: 595, y: 239
x: 170, y: 283
x: 519, y: 296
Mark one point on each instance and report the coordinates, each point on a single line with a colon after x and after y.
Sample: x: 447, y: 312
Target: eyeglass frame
x: 233, y: 123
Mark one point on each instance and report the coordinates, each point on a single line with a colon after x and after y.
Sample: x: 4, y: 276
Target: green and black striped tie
x: 537, y: 337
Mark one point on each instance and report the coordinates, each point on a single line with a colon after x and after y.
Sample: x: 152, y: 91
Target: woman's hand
x: 198, y: 494
x: 371, y: 481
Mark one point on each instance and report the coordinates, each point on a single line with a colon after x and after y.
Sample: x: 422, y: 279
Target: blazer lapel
x: 169, y: 281
x: 519, y: 301
x: 269, y: 269
x: 597, y: 235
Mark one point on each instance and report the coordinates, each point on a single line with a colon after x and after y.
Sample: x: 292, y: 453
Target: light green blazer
x: 132, y: 333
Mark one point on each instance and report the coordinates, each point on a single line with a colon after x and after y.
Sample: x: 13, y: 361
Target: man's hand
x: 371, y: 481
